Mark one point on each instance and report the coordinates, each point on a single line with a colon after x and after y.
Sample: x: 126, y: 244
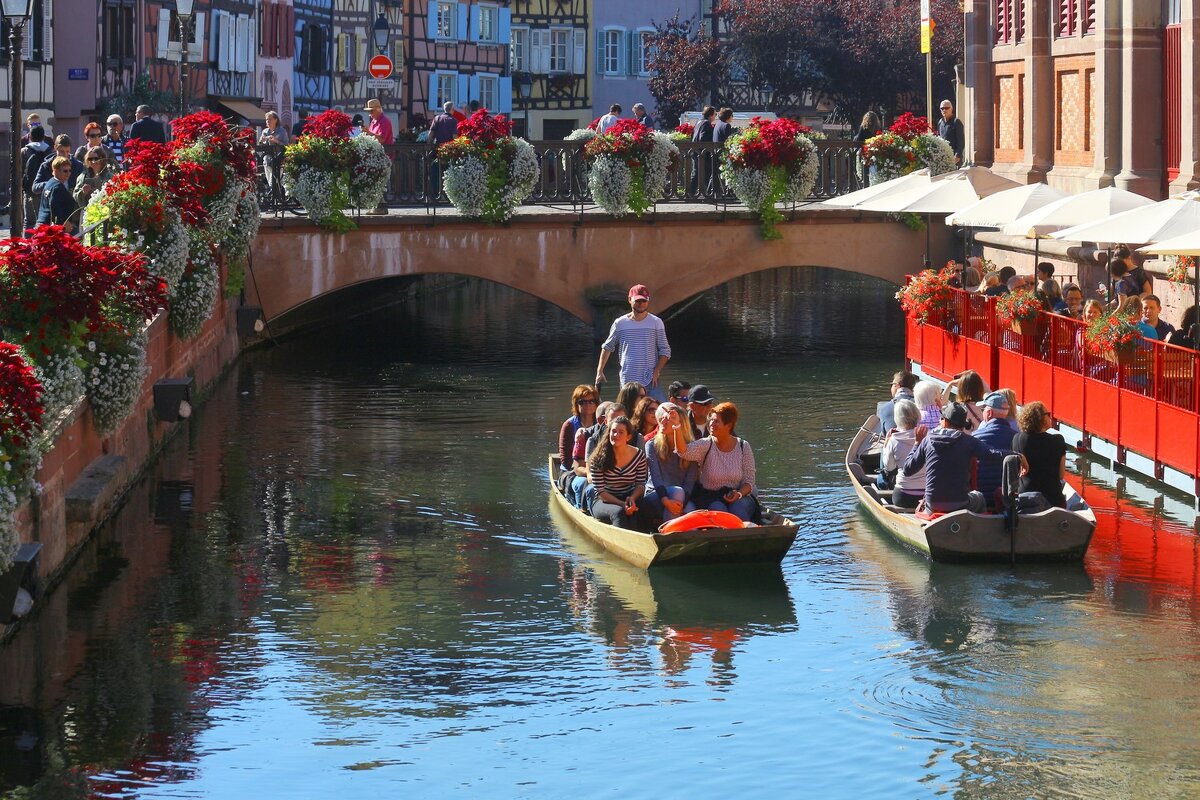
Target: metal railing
x: 562, y: 176
x: 1144, y: 397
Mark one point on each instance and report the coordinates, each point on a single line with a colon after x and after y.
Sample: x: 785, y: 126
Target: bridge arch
x: 578, y: 264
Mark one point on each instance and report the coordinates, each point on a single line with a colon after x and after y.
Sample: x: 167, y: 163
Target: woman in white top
x: 909, y: 489
x: 727, y: 470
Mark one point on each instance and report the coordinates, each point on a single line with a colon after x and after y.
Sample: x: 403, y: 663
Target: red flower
x: 332, y: 124
x: 21, y: 407
x: 485, y: 128
x: 910, y: 127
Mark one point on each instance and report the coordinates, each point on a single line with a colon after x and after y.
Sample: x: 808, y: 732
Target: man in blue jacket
x: 946, y: 453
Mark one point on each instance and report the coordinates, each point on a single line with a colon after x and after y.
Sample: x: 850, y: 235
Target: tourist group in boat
x: 651, y: 456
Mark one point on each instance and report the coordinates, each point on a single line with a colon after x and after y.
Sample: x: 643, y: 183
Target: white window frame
x: 518, y: 49
x: 565, y: 55
x: 612, y: 38
x: 489, y: 91
x: 492, y: 13
x: 642, y: 38
x: 452, y: 84
x: 450, y: 9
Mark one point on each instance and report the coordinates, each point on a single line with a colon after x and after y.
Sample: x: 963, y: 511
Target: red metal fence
x: 1147, y: 400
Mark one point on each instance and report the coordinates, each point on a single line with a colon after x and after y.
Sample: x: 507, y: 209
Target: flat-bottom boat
x: 1061, y: 534
x: 762, y: 544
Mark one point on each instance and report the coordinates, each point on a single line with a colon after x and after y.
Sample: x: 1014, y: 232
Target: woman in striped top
x: 727, y: 470
x: 618, y: 472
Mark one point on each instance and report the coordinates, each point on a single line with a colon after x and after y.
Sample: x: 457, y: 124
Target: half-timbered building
x: 312, y: 66
x: 273, y: 69
x: 163, y: 51
x: 549, y: 51
x: 455, y: 51
x: 354, y: 45
x: 117, y: 51
x: 233, y: 45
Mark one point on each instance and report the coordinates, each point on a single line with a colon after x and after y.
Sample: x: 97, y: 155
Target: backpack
x: 31, y: 169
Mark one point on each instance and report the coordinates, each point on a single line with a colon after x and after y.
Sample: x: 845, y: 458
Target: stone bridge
x: 582, y: 263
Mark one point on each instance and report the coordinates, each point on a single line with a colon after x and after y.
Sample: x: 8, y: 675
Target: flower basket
x: 1113, y: 337
x: 928, y: 294
x: 1019, y: 310
x: 771, y: 162
x: 328, y: 172
x: 489, y: 172
x: 628, y: 166
x: 906, y: 146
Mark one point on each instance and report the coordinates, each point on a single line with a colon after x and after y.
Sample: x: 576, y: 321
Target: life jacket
x: 701, y: 519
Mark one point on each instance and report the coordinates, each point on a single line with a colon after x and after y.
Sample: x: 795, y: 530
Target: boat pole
x: 1011, y: 472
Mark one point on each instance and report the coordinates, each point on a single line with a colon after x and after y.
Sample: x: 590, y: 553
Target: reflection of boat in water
x: 704, y: 600
x: 761, y: 544
x: 1053, y: 535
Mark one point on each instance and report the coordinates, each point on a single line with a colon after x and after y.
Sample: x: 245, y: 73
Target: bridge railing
x: 1145, y: 398
x: 562, y: 177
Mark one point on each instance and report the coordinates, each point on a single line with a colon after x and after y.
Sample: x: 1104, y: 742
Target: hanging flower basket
x: 628, y: 166
x: 906, y: 146
x: 928, y: 294
x: 1113, y: 337
x: 1180, y: 268
x: 773, y: 161
x: 489, y: 172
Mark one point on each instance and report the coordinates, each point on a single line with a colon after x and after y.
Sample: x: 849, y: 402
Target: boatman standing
x: 641, y: 340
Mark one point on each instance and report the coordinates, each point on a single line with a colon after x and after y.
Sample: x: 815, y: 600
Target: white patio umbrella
x: 1152, y: 223
x: 1073, y: 210
x: 903, y: 183
x: 1001, y: 208
x: 944, y: 194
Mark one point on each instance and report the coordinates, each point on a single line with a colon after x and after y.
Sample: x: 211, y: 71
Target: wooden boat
x: 1056, y: 534
x: 765, y: 543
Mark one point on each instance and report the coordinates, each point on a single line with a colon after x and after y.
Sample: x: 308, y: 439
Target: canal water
x: 345, y: 580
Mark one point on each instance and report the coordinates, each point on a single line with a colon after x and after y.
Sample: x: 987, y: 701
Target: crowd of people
x: 59, y: 182
x: 651, y: 455
x: 944, y: 449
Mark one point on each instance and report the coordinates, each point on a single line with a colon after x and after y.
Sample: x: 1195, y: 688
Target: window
x: 518, y: 50
x: 447, y: 13
x: 489, y: 96
x: 118, y: 32
x: 611, y: 53
x: 1067, y: 17
x: 35, y: 31
x: 1173, y: 15
x: 560, y: 45
x: 446, y: 84
x: 487, y: 23
x: 314, y: 57
x: 644, y: 55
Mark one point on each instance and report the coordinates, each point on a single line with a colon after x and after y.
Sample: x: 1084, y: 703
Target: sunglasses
x: 94, y: 135
x: 683, y: 398
x: 587, y: 402
x: 95, y: 158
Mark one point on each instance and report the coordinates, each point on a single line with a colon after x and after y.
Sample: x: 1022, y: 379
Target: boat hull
x: 764, y: 544
x: 961, y: 536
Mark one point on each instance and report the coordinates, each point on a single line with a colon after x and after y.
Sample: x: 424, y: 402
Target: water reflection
x: 344, y: 579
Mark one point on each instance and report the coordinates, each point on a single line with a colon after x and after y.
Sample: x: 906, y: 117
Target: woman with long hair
x: 727, y: 469
x: 644, y: 420
x: 672, y: 479
x: 617, y: 471
x: 1045, y: 452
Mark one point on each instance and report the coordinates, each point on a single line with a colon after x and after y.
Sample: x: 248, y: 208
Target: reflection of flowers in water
x: 680, y: 644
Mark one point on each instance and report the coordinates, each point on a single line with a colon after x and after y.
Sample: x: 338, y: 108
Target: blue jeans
x: 741, y: 508
x: 575, y: 490
x: 654, y: 502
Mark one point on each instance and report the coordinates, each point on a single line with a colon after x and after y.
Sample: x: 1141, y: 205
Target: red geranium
x: 232, y: 146
x: 627, y: 139
x: 485, y: 128
x: 21, y: 407
x: 910, y: 127
x: 332, y: 124
x: 928, y: 292
x: 770, y: 143
x: 686, y: 128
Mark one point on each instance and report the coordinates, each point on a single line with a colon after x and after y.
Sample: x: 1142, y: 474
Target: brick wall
x: 1075, y: 109
x: 1009, y: 112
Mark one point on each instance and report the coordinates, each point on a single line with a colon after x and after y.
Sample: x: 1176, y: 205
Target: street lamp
x: 525, y: 90
x: 183, y: 9
x: 16, y: 12
x: 382, y: 33
x: 767, y: 92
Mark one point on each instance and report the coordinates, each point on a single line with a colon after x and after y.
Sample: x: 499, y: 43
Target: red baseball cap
x: 639, y: 292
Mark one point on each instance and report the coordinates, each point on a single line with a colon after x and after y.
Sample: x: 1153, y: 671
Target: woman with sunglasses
x: 727, y: 469
x: 97, y: 174
x: 92, y: 134
x: 583, y: 415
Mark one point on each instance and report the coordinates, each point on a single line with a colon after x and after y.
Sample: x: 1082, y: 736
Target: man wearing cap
x: 642, y: 340
x: 946, y: 453
x: 996, y: 432
x: 380, y: 126
x: 700, y: 402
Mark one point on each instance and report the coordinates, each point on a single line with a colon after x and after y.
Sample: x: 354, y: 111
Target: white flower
x: 934, y: 152
x: 370, y: 174
x: 582, y: 135
x: 466, y: 184
x: 315, y: 190
x: 115, y: 390
x: 240, y: 235
x: 193, y: 299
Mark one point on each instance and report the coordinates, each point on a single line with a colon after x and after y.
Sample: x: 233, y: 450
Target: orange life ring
x: 703, y: 518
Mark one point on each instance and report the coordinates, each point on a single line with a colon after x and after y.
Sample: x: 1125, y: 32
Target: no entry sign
x: 380, y: 67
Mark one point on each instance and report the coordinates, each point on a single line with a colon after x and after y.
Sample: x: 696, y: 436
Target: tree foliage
x: 685, y: 66
x: 859, y: 53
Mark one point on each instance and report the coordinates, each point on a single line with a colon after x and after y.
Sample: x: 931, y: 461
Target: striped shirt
x: 639, y: 344
x: 621, y: 481
x: 719, y: 469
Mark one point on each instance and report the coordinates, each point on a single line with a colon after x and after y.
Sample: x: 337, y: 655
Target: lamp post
x: 16, y: 12
x: 382, y: 32
x: 525, y: 90
x: 183, y: 9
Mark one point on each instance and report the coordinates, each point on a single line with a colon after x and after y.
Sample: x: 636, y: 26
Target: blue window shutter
x: 431, y: 31
x: 504, y: 29
x: 473, y: 90
x: 506, y: 96
x: 599, y: 52
x: 431, y: 106
x: 463, y: 87
x: 631, y: 52
x: 462, y: 31
x: 474, y: 33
